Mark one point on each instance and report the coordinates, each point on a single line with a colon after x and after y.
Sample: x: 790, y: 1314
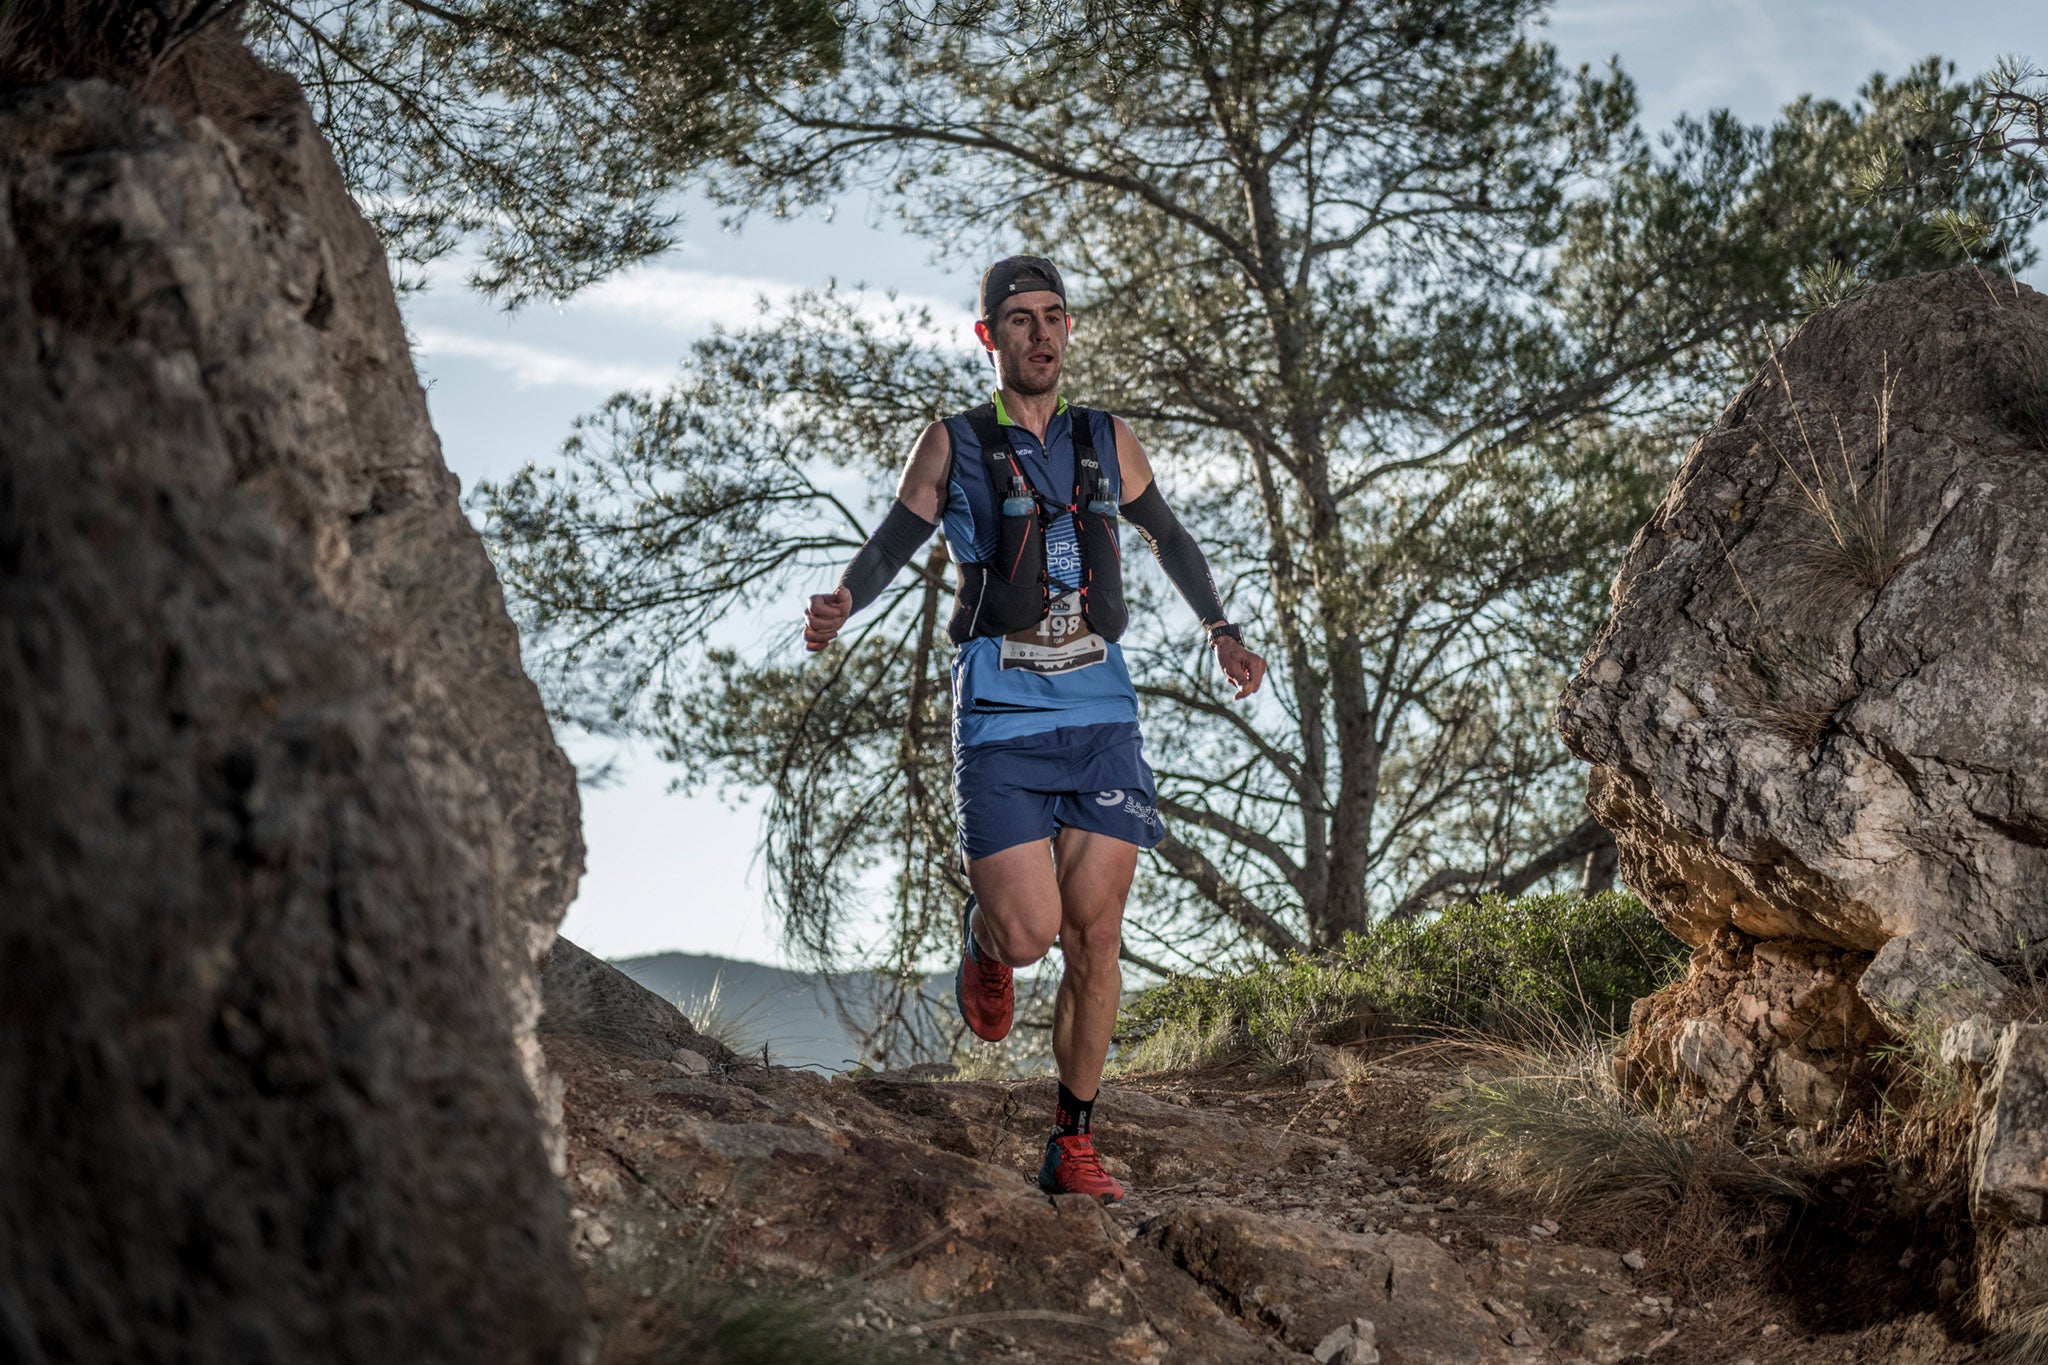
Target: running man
x: 1054, y: 797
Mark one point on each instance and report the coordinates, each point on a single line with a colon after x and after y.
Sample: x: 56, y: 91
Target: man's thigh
x: 1019, y: 896
x: 1095, y: 872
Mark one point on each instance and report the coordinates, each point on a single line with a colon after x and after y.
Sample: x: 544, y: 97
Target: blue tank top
x: 992, y: 703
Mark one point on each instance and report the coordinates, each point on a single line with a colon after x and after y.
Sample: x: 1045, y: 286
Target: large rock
x: 1817, y: 709
x: 284, y: 828
x: 1774, y: 1025
x: 2009, y: 1173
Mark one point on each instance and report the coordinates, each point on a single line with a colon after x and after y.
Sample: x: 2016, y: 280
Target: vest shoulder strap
x: 995, y: 442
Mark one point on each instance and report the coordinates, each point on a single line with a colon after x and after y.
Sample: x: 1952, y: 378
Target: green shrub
x: 1489, y: 965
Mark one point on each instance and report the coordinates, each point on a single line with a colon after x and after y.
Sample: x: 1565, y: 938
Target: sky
x: 669, y: 871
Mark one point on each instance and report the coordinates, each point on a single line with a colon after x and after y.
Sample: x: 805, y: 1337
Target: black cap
x: 1017, y: 275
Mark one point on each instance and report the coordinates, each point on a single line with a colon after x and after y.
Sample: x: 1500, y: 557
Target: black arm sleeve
x: 885, y: 554
x: 1176, y: 552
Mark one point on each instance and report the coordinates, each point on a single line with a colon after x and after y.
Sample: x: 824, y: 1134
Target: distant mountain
x: 748, y: 1004
x: 797, y: 1014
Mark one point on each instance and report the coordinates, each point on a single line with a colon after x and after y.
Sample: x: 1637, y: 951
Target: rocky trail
x: 1268, y: 1221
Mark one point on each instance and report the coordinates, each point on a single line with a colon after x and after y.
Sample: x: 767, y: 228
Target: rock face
x: 2009, y: 1177
x: 284, y: 827
x: 1817, y: 710
x: 1776, y: 1024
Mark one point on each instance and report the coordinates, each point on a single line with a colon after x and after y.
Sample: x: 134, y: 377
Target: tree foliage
x: 544, y: 133
x: 1414, y: 322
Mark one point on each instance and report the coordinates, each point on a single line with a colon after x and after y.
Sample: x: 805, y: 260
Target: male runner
x: 1052, y: 789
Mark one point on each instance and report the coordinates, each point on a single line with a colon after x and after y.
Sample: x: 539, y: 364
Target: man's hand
x: 828, y: 612
x: 1240, y: 665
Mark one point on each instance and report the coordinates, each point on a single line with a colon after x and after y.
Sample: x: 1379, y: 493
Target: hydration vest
x: 1012, y: 592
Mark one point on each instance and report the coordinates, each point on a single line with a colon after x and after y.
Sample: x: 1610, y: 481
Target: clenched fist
x: 823, y: 618
x: 1244, y: 668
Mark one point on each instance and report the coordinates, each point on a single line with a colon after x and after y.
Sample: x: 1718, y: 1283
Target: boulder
x: 1925, y: 984
x: 1815, y: 711
x: 2012, y: 1289
x: 1775, y: 1025
x: 285, y: 829
x: 588, y: 997
x: 2009, y: 1171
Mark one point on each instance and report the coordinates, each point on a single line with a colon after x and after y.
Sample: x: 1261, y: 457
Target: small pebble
x: 1634, y: 1260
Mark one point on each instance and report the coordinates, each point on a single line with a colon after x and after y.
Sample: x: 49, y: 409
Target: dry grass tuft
x: 1856, y: 540
x: 1547, y: 1122
x: 1790, y: 690
x: 2023, y: 390
x: 2023, y: 1339
x: 659, y: 1297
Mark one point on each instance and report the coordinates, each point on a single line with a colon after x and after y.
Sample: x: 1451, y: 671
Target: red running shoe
x: 984, y: 990
x: 1072, y: 1167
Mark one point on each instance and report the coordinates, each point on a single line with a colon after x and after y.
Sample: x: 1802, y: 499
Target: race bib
x: 1060, y: 643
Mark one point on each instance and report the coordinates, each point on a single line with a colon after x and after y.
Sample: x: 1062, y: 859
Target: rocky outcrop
x: 285, y: 830
x: 1816, y: 711
x: 1248, y: 1237
x: 586, y: 997
x: 1776, y: 1025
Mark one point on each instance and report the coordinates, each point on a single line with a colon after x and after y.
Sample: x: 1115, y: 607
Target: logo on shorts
x: 1109, y: 798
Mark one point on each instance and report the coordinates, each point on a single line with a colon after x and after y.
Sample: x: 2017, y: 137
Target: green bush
x: 1489, y: 965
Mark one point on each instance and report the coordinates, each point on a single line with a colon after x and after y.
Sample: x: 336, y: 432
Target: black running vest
x: 1011, y: 592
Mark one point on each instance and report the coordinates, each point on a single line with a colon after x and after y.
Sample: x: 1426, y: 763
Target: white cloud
x: 692, y: 302
x: 537, y: 366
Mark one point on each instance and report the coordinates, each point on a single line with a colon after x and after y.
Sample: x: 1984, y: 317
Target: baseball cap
x: 1018, y: 275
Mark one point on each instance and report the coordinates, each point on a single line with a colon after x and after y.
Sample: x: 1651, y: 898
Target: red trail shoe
x: 984, y: 990
x: 1072, y: 1167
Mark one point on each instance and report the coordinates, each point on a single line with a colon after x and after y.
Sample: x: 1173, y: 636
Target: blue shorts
x: 1093, y: 777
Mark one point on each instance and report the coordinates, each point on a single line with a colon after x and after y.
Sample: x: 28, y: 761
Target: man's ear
x: 982, y: 334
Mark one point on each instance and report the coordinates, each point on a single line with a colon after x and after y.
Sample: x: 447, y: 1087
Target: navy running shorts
x: 1093, y: 777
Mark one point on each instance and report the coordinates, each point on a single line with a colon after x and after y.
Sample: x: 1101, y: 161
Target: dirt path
x: 1264, y: 1217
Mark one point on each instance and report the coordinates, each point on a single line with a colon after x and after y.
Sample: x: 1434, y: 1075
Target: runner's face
x: 1029, y: 338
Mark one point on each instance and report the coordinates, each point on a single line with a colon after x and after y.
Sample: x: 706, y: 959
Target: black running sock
x: 1071, y: 1117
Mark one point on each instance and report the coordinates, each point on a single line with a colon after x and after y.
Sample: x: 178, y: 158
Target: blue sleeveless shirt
x: 992, y: 703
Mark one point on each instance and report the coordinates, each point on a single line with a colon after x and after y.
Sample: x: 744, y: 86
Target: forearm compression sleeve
x: 1176, y: 552
x: 885, y: 554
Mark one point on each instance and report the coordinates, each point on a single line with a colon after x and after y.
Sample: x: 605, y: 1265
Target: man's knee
x: 1092, y: 943
x: 1017, y: 942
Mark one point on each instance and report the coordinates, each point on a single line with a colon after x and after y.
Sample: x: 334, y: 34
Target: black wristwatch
x: 1223, y: 630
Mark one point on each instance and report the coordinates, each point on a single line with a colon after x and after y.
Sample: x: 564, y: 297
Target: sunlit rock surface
x: 1818, y: 710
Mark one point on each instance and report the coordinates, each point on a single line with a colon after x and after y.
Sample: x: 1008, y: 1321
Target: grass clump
x: 714, y: 1014
x: 1856, y: 541
x: 719, y: 1324
x: 1492, y: 965
x: 2024, y: 390
x: 1546, y: 1122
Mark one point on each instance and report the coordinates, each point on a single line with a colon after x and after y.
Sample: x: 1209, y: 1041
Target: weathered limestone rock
x: 1927, y: 983
x: 284, y: 827
x: 588, y: 997
x: 1816, y: 711
x: 2012, y: 1284
x: 1971, y: 1043
x: 2009, y: 1175
x: 1774, y: 1024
